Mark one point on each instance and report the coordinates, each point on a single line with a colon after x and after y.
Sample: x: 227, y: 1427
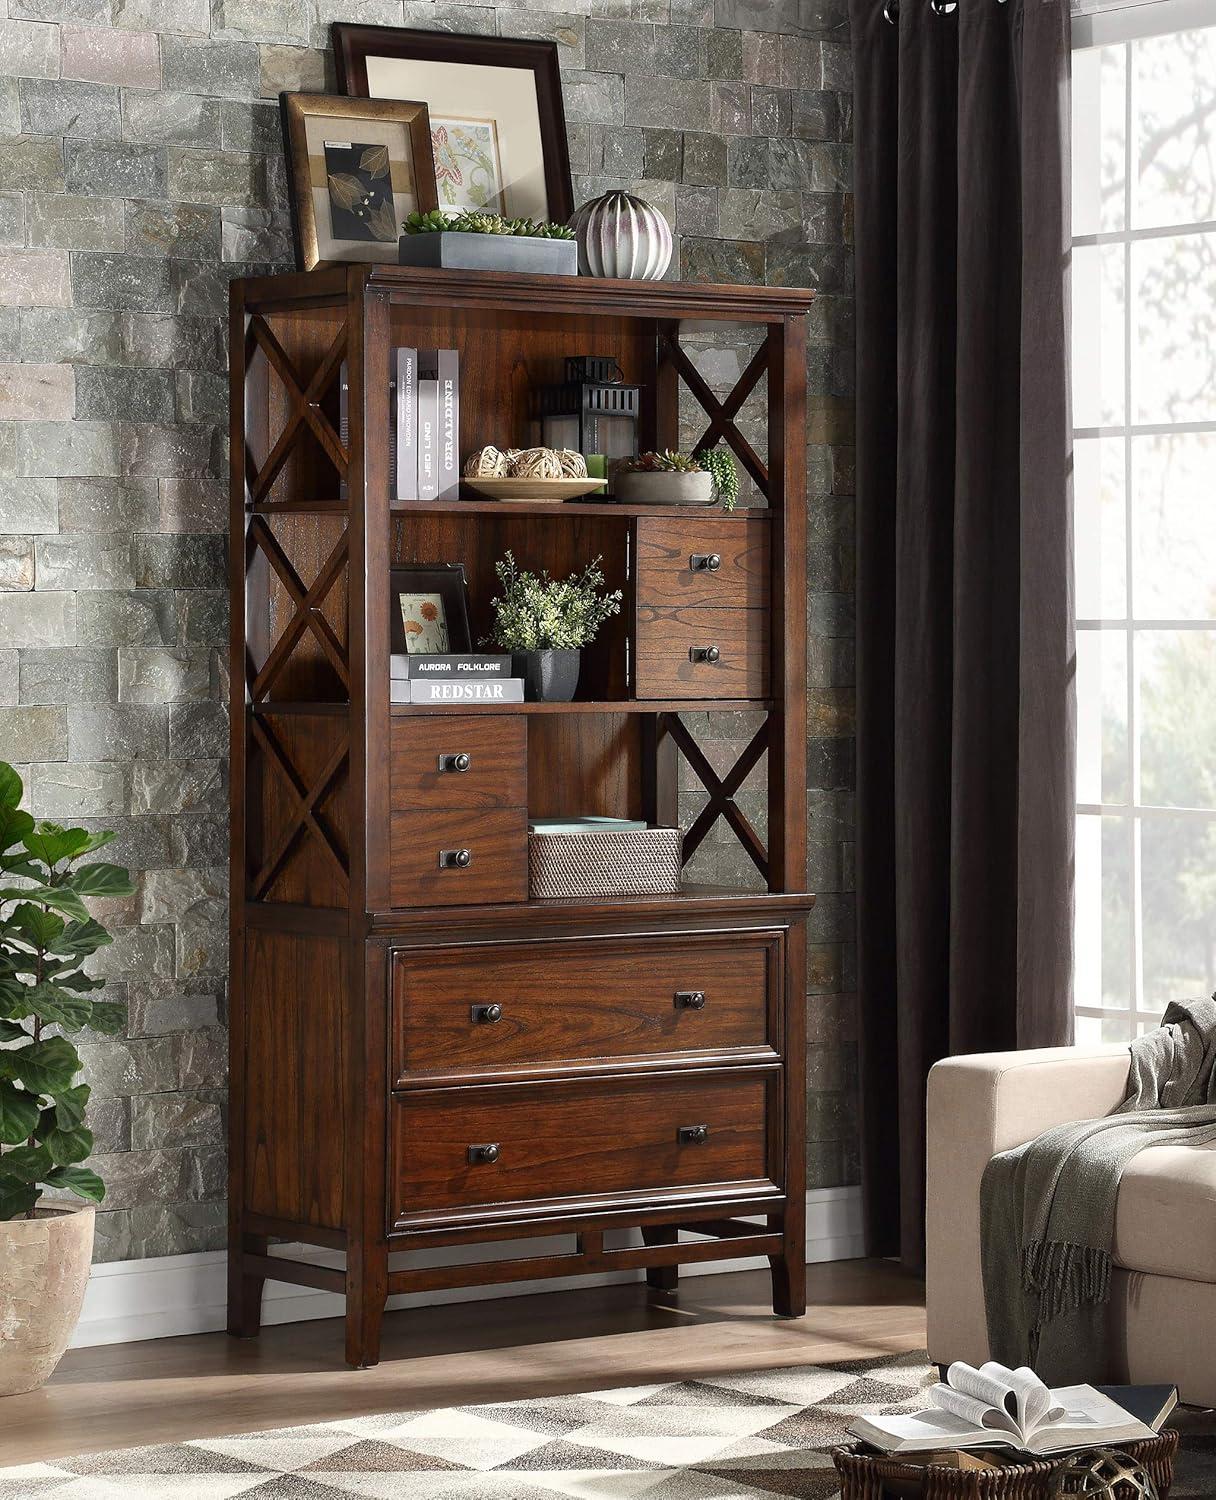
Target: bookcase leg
x: 662, y: 1278
x: 365, y: 1299
x: 789, y: 1285
x: 245, y: 1290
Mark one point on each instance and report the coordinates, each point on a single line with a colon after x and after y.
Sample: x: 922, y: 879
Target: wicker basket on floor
x: 878, y: 1476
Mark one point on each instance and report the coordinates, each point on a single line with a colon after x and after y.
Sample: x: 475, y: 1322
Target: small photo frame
x: 357, y: 168
x: 430, y: 609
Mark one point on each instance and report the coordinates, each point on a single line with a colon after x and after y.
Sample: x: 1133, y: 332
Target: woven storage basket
x: 636, y: 862
x: 876, y: 1476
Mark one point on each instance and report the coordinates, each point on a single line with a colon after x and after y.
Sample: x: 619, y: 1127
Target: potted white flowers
x: 544, y: 623
x: 46, y: 933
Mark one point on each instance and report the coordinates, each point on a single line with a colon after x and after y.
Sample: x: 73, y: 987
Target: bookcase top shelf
x: 576, y: 508
x: 502, y: 290
x: 603, y: 706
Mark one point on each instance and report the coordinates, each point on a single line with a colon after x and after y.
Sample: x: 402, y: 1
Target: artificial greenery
x: 717, y: 462
x: 471, y: 221
x: 46, y: 933
x: 537, y: 613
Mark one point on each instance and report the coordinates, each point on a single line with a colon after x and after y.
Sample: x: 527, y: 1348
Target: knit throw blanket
x: 1048, y: 1207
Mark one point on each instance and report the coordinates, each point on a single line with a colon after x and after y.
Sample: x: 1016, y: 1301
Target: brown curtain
x: 964, y: 560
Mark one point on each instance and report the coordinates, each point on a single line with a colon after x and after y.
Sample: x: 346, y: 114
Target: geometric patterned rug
x: 759, y: 1434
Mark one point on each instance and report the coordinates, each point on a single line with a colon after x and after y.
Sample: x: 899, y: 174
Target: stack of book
x: 424, y: 423
x: 454, y: 677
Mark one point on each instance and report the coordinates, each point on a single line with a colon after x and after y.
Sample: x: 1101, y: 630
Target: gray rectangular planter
x: 490, y: 252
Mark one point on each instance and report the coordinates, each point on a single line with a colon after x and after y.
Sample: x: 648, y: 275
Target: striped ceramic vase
x: 619, y: 235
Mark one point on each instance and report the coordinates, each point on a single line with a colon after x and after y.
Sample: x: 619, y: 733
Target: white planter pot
x: 44, y: 1269
x: 664, y: 487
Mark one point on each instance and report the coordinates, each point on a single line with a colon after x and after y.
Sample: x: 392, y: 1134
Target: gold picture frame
x: 356, y: 168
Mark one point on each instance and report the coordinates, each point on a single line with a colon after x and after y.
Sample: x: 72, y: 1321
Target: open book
x: 995, y: 1407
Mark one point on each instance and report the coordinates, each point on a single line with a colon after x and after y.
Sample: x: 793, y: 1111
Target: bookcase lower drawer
x: 458, y: 760
x: 697, y: 652
x: 456, y: 1149
x: 460, y: 857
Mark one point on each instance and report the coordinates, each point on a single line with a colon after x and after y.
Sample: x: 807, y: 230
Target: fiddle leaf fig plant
x: 46, y: 933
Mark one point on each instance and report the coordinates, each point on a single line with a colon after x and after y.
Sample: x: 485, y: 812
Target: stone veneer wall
x: 141, y: 168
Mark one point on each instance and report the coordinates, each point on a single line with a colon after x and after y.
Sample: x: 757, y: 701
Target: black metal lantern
x: 592, y: 411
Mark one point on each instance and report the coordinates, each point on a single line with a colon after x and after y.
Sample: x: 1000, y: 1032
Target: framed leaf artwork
x: 356, y: 168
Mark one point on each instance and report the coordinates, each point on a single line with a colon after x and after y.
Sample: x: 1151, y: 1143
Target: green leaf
x: 22, y: 864
x: 70, y: 1105
x: 16, y: 1199
x: 78, y: 980
x: 44, y: 1067
x: 67, y: 1146
x: 11, y: 1032
x: 78, y: 1180
x: 79, y: 939
x: 53, y: 1005
x: 58, y: 897
x: 10, y: 785
x: 14, y: 825
x: 101, y: 880
x: 108, y: 1016
x: 41, y: 928
x: 50, y: 842
x: 18, y: 1114
x: 26, y: 1163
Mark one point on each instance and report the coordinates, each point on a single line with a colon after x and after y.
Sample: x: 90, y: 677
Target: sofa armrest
x: 978, y: 1106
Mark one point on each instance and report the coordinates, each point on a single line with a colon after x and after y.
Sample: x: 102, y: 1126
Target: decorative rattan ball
x: 536, y: 463
x: 486, y: 463
x: 574, y: 465
x: 1104, y: 1474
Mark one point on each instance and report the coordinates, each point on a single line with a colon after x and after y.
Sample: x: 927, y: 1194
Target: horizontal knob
x: 485, y: 1015
x: 689, y: 999
x: 705, y: 562
x: 483, y: 1155
x: 457, y: 762
x: 692, y: 1135
x: 704, y: 653
x: 455, y: 859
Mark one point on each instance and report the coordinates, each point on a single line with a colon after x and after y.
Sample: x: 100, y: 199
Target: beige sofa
x: 1163, y: 1301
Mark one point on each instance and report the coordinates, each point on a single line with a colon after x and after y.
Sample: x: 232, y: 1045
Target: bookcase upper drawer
x: 716, y: 563
x: 451, y: 760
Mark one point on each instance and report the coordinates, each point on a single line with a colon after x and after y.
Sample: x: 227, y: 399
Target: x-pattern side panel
x: 304, y: 816
x: 722, y: 426
x: 721, y: 789
x: 306, y: 603
x: 305, y: 410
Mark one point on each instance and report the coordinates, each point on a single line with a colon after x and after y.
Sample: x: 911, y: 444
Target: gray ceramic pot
x: 549, y: 676
x: 489, y: 252
x: 659, y: 487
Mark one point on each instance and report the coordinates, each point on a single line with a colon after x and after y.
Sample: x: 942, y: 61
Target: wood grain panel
x: 665, y: 637
x: 497, y: 841
x: 587, y: 1000
x: 585, y: 765
x: 578, y: 1139
x: 666, y: 577
x: 497, y: 751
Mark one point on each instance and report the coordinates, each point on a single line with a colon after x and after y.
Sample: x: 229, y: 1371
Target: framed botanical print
x: 430, y: 610
x: 498, y: 129
x: 357, y: 168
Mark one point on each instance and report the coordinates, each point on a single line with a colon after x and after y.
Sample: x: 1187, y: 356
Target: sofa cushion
x: 1165, y: 1220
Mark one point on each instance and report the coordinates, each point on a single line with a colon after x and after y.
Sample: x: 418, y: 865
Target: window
x: 1144, y: 392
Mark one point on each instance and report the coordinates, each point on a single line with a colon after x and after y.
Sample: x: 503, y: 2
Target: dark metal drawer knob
x: 705, y: 562
x: 483, y: 1155
x: 689, y: 999
x: 460, y: 762
x: 485, y: 1015
x: 704, y: 653
x: 692, y: 1135
x: 455, y: 859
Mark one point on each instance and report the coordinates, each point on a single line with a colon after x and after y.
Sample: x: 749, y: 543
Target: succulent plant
x: 473, y: 221
x: 667, y: 462
x: 720, y: 462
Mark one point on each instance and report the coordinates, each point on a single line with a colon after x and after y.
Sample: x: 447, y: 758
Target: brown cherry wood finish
x: 347, y: 1086
x: 694, y: 651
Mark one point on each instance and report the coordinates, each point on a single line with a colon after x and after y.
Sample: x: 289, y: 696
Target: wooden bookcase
x: 642, y: 1081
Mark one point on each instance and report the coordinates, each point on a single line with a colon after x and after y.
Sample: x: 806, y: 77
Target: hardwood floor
x: 165, y: 1390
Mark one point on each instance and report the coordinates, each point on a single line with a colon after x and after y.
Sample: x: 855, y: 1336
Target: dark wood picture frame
x: 296, y: 109
x: 353, y: 45
x: 450, y: 581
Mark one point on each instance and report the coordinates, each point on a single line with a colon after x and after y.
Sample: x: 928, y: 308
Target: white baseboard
x: 173, y: 1294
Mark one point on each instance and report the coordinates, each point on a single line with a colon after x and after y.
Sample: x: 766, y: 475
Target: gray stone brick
x: 464, y: 20
x: 12, y: 219
x: 663, y: 155
x: 32, y: 393
x: 193, y: 505
x: 216, y: 177
x: 173, y: 1120
x: 183, y: 561
x: 136, y: 1177
x: 617, y: 150
x: 32, y: 161
x: 78, y: 560
x: 64, y: 336
x: 10, y: 106
x: 161, y: 1007
x: 752, y: 214
x: 749, y: 162
x: 75, y: 223
x: 122, y: 282
x: 598, y: 98
x: 63, y: 106
x: 16, y: 563
x: 261, y: 20
x: 35, y: 278
x: 109, y: 505
x: 177, y: 786
x: 821, y: 116
x: 705, y: 160
x: 772, y: 112
x: 248, y: 126
x: 220, y: 69
x: 724, y: 54
x: 116, y: 394
x: 190, y: 231
x: 128, y: 731
x: 40, y: 619
x: 51, y: 675
x: 164, y: 15
x: 131, y: 59
x: 28, y: 507
x: 731, y: 109
x: 67, y: 791
x: 197, y: 730
x: 204, y: 617
x: 259, y: 234
x: 196, y: 840
x: 34, y: 734
x: 115, y: 169
x: 682, y: 103
x: 172, y: 342
x: 696, y: 210
x: 565, y: 29
x: 159, y: 1229
x: 681, y: 52
x: 300, y: 69
x: 201, y: 288
x: 171, y: 119
x: 737, y: 261
x: 10, y: 334
x: 154, y: 449
x: 10, y: 677
x: 94, y: 12
x: 110, y: 1122
x: 29, y: 49
x: 163, y: 674
x: 202, y: 396
x: 620, y: 46
x: 837, y: 66
x: 85, y: 450
x: 134, y: 617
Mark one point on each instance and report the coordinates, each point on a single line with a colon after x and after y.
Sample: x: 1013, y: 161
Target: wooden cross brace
x: 722, y: 414
x: 721, y: 789
x: 306, y: 604
x: 305, y: 406
x: 304, y: 817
